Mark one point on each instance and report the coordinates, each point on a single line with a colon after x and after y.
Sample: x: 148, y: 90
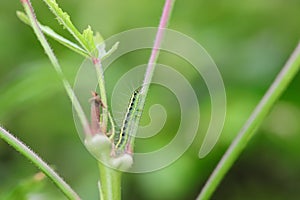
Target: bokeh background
x: 249, y: 41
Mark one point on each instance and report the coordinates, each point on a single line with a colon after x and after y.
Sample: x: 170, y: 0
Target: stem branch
x: 166, y: 14
x: 37, y: 161
x: 262, y: 109
x: 157, y: 43
x: 35, y: 25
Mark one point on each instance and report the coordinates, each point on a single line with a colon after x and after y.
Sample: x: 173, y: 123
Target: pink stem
x: 158, y: 40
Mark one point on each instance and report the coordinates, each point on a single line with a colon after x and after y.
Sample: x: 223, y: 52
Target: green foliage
x: 49, y: 32
x: 282, y: 81
x: 64, y: 19
x: 249, y: 41
x: 88, y: 36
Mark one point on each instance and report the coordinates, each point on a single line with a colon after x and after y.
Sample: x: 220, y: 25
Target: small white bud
x: 122, y: 162
x: 98, y: 145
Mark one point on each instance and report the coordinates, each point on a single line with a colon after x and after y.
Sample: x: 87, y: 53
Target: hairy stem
x: 262, y: 109
x: 37, y: 161
x: 166, y: 14
x: 158, y: 40
x: 35, y: 25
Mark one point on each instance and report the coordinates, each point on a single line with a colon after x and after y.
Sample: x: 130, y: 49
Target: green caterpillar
x: 130, y: 121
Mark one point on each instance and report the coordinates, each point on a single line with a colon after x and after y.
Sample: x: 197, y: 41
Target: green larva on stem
x: 129, y: 122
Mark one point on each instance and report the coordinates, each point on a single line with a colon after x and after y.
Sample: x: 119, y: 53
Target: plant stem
x: 158, y: 40
x: 110, y: 179
x: 262, y: 109
x: 166, y: 14
x: 110, y: 183
x: 64, y: 19
x: 36, y: 160
x: 35, y: 25
x: 101, y: 83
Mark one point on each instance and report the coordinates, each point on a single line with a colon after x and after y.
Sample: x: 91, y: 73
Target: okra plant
x: 113, y: 145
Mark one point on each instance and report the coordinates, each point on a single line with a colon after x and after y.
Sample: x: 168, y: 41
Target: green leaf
x: 93, y: 40
x: 23, y: 17
x: 64, y: 19
x: 88, y: 35
x: 49, y: 32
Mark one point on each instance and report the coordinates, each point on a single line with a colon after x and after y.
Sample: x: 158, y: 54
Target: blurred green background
x: 249, y: 41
